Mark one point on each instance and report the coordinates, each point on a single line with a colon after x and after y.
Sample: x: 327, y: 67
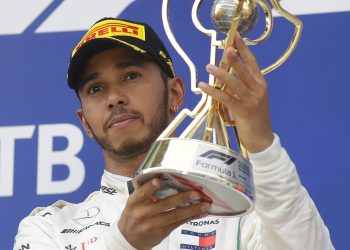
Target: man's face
x: 124, y: 101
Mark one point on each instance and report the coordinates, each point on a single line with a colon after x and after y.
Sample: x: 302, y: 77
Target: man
x: 125, y: 81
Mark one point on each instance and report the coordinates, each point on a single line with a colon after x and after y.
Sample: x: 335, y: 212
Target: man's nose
x: 117, y: 98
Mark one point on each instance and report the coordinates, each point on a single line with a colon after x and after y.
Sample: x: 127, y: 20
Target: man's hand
x: 146, y: 220
x: 245, y: 96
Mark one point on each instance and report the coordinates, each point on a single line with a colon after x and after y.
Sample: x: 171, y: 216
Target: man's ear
x: 84, y: 123
x: 176, y: 90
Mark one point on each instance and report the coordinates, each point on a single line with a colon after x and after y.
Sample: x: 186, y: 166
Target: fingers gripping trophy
x: 201, y: 158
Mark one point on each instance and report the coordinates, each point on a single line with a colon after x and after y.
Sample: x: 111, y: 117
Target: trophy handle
x: 200, y: 110
x: 178, y: 48
x: 209, y: 32
x: 269, y: 24
x: 295, y: 38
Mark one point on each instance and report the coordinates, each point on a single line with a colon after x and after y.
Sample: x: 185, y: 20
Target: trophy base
x: 222, y: 176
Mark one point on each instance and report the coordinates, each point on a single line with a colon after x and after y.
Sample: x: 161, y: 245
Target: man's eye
x: 95, y: 89
x: 132, y: 76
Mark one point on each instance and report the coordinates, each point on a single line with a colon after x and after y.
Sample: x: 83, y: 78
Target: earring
x: 91, y: 135
x: 176, y: 109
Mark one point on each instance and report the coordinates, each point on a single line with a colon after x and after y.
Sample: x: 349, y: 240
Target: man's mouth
x: 122, y: 120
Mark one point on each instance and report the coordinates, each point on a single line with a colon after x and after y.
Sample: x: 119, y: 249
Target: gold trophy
x: 201, y: 158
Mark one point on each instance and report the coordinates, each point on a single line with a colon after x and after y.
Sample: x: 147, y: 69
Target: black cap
x: 110, y: 32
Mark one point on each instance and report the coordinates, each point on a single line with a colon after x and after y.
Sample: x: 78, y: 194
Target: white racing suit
x: 284, y: 218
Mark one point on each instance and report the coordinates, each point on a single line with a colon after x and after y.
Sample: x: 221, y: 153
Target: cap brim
x: 85, y: 53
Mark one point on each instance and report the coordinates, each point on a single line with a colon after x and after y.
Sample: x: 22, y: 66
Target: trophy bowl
x: 222, y: 176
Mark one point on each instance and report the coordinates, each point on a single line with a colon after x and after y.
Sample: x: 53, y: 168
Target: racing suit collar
x: 115, y: 178
x: 114, y: 185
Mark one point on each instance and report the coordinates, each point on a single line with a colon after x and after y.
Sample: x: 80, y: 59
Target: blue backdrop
x: 44, y: 155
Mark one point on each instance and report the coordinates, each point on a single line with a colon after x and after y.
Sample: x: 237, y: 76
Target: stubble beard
x: 132, y: 147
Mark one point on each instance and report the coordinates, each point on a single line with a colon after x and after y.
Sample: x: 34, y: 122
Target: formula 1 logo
x: 55, y: 15
x: 213, y: 154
